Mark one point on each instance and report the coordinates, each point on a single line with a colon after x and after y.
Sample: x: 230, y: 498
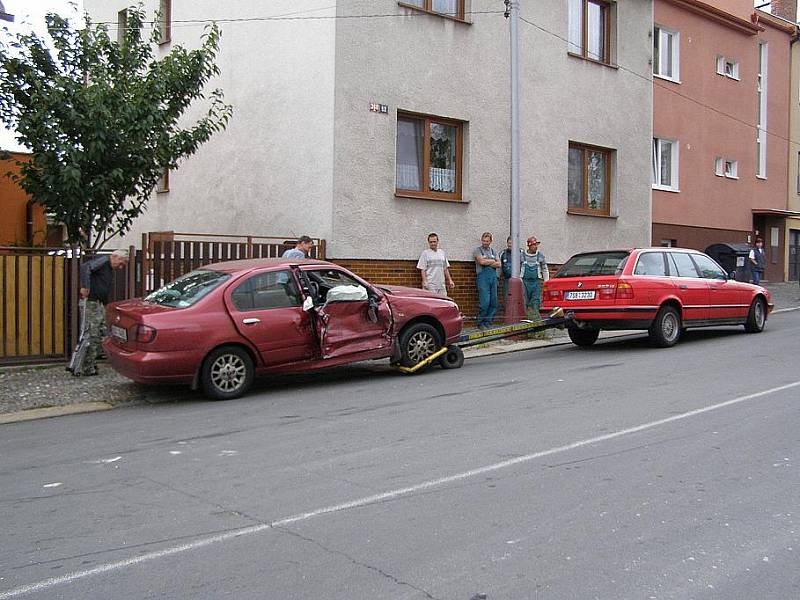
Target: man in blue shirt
x: 301, y: 249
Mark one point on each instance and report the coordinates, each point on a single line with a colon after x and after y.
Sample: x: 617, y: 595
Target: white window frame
x: 674, y: 186
x: 731, y: 169
x: 719, y: 166
x: 722, y: 67
x: 660, y: 35
x: 761, y: 126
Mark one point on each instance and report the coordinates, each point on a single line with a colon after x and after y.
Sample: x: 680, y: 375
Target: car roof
x: 642, y: 249
x: 235, y: 266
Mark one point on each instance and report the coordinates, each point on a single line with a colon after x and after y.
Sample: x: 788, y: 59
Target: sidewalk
x: 24, y: 389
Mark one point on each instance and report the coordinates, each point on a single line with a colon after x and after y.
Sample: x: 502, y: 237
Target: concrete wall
x: 270, y: 172
x: 712, y: 115
x: 432, y: 65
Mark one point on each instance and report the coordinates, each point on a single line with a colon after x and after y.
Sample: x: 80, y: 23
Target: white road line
x: 207, y: 541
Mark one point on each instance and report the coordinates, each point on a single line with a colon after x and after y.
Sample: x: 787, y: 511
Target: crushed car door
x: 350, y: 318
x: 267, y: 310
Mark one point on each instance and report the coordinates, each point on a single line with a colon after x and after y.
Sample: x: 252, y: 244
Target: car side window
x: 708, y: 268
x: 681, y: 264
x: 651, y: 263
x: 324, y: 280
x: 275, y: 289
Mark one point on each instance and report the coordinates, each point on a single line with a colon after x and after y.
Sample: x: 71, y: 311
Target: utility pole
x: 515, y: 303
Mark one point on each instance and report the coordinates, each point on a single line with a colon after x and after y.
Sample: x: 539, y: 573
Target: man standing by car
x: 534, y: 274
x: 301, y: 249
x: 758, y: 261
x: 486, y: 265
x: 96, y: 279
x: 434, y: 268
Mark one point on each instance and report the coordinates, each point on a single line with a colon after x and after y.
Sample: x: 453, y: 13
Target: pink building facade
x: 720, y: 126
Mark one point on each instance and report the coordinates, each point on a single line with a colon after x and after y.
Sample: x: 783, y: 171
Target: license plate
x: 582, y: 295
x: 119, y: 333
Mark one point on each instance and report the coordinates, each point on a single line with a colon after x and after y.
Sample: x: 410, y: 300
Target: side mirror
x: 308, y: 303
x: 732, y: 275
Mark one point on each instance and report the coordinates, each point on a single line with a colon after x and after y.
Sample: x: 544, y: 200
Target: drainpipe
x: 515, y: 306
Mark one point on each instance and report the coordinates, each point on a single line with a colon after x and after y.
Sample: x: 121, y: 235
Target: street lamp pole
x: 515, y: 303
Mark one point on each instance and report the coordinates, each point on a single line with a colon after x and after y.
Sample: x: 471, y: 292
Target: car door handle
x: 251, y: 321
x: 684, y: 287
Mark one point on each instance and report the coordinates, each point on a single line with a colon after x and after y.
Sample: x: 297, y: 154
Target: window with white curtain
x: 589, y: 29
x: 666, y: 53
x: 429, y: 157
x: 451, y: 8
x: 665, y: 164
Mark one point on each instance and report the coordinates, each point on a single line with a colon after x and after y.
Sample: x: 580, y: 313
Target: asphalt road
x: 620, y: 471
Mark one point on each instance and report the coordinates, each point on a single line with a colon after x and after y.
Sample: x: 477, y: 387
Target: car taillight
x: 145, y: 334
x: 605, y: 291
x: 553, y: 294
x: 624, y: 291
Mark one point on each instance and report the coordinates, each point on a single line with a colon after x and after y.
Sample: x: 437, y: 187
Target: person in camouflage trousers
x: 96, y: 281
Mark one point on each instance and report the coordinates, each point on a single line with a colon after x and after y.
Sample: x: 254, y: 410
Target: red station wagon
x: 662, y: 290
x: 220, y: 325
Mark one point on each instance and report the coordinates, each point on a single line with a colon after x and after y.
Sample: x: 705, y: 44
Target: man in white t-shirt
x: 435, y: 268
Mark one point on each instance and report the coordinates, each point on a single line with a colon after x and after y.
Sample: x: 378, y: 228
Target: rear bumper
x: 608, y: 316
x: 152, y: 367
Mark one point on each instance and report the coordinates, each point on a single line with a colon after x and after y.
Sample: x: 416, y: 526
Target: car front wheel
x: 417, y: 342
x: 583, y: 337
x: 227, y: 373
x: 666, y: 328
x: 756, y: 317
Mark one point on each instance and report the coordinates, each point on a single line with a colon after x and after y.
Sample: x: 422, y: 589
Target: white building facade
x: 375, y: 122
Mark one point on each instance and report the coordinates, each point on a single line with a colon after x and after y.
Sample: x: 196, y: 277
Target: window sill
x: 731, y: 177
x: 162, y: 191
x: 761, y: 177
x: 665, y: 78
x: 423, y: 196
x: 592, y: 60
x: 434, y: 13
x: 664, y: 188
x: 589, y: 213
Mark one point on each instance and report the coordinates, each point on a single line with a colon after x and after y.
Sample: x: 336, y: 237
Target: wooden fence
x: 35, y: 314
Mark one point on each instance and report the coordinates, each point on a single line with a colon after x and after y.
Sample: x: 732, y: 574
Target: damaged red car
x: 220, y: 326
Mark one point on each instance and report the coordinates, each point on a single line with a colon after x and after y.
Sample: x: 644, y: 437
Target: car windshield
x: 594, y: 264
x: 187, y: 289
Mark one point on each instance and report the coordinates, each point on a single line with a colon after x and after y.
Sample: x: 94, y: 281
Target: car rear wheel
x: 666, y: 328
x: 227, y: 373
x: 756, y: 317
x: 418, y: 342
x: 583, y: 336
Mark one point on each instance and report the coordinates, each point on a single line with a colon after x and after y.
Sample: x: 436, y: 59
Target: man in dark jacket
x: 96, y: 280
x: 758, y: 261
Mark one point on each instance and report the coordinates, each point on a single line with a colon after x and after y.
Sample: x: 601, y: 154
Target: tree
x: 104, y: 119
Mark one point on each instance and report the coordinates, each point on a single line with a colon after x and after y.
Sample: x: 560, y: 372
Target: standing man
x: 435, y: 268
x: 758, y: 261
x: 486, y: 265
x: 534, y: 273
x: 301, y: 249
x: 96, y: 280
x: 505, y: 262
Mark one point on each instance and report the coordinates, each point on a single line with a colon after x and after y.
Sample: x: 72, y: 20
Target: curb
x: 53, y: 411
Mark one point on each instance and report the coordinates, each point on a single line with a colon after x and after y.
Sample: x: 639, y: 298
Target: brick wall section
x: 405, y: 272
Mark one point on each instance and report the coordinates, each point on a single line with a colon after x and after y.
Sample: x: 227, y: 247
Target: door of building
x: 794, y: 254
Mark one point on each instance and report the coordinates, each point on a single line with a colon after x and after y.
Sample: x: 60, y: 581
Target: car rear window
x: 594, y: 264
x: 188, y: 289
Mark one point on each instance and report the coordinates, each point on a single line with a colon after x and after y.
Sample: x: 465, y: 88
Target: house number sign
x: 378, y: 108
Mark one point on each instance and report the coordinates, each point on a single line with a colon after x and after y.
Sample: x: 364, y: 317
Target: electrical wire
x: 668, y: 88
